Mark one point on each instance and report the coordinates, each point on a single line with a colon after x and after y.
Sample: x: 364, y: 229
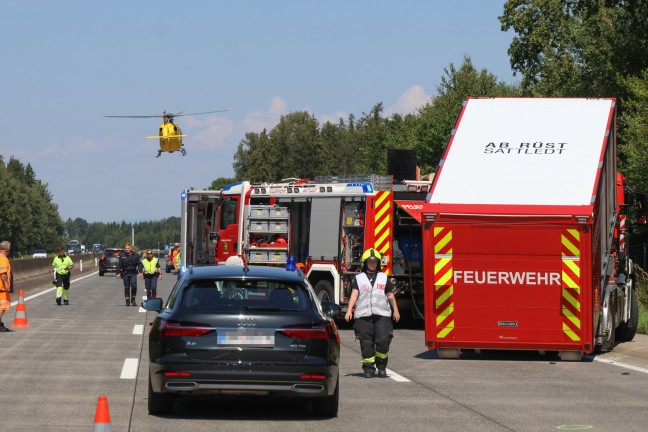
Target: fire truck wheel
x: 608, y: 344
x: 626, y: 331
x: 324, y: 291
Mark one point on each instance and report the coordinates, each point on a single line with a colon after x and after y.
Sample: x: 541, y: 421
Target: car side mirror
x: 154, y: 305
x: 330, y: 309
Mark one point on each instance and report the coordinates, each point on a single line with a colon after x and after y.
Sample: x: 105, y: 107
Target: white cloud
x: 220, y: 132
x: 414, y: 98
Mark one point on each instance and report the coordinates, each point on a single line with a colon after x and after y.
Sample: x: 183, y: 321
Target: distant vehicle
x: 74, y: 247
x: 109, y: 260
x: 96, y: 248
x: 236, y: 330
x: 39, y: 253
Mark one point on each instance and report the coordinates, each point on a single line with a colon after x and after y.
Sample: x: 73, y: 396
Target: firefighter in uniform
x: 372, y: 293
x: 62, y: 264
x: 151, y: 274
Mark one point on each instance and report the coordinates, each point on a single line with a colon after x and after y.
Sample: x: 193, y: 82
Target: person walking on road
x: 62, y: 265
x: 6, y: 282
x: 374, y: 293
x: 128, y: 267
x: 151, y: 274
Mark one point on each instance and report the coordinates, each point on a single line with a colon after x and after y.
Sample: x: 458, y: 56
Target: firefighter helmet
x: 371, y: 253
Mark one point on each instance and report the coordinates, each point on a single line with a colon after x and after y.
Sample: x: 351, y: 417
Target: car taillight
x: 315, y: 377
x: 187, y: 329
x: 177, y: 374
x: 319, y: 332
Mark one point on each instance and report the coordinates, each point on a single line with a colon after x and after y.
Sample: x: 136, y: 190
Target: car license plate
x: 246, y: 337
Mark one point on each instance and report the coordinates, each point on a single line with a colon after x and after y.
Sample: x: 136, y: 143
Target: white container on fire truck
x: 325, y: 224
x: 524, y: 231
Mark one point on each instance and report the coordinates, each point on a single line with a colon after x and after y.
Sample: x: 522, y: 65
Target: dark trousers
x: 63, y: 280
x: 375, y: 333
x: 150, y: 284
x: 130, y: 284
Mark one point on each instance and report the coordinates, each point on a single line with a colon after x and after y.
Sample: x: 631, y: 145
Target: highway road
x: 54, y: 371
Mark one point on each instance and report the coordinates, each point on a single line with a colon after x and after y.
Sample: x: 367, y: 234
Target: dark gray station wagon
x: 243, y: 330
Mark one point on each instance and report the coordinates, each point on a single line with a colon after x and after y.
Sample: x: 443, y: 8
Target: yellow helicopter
x: 170, y: 135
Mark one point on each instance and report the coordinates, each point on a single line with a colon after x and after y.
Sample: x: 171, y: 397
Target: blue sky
x: 66, y: 64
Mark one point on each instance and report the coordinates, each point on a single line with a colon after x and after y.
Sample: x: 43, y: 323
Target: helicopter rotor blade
x: 189, y: 114
x: 150, y: 116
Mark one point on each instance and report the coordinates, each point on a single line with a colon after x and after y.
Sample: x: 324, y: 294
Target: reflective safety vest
x: 150, y: 267
x: 178, y: 261
x: 372, y: 300
x: 61, y: 264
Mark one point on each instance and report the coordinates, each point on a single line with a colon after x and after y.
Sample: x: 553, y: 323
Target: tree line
x: 148, y: 234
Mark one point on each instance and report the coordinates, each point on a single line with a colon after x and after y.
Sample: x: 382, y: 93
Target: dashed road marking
x: 396, y: 377
x: 138, y: 329
x: 129, y: 370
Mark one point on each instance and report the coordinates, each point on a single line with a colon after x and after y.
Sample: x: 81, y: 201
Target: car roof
x: 249, y: 272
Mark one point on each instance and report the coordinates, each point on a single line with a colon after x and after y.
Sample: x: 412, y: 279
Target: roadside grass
x: 641, y: 285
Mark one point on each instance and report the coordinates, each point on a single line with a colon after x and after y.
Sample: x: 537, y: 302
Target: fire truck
x: 525, y: 229
x: 325, y: 224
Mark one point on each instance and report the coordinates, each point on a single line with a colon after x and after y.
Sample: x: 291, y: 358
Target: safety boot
x: 133, y: 301
x: 58, y: 301
x: 368, y: 373
x: 127, y: 301
x: 66, y: 302
x: 382, y: 373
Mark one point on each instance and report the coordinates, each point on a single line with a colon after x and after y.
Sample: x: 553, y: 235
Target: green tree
x: 634, y: 131
x: 437, y: 118
x: 220, y: 183
x: 576, y: 47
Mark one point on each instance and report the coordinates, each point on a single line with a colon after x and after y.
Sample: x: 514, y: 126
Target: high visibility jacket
x: 61, y: 264
x: 5, y: 267
x: 372, y: 299
x: 178, y: 261
x: 150, y: 267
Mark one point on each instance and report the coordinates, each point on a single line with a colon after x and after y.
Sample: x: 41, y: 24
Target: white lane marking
x: 396, y: 377
x: 138, y: 329
x: 129, y: 371
x: 144, y: 298
x: 14, y: 303
x: 141, y: 309
x: 623, y: 365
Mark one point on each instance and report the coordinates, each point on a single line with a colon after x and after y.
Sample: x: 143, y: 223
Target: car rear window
x: 111, y: 253
x: 233, y: 295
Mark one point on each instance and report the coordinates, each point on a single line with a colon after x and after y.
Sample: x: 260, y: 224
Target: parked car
x: 39, y: 253
x: 236, y: 330
x: 109, y: 260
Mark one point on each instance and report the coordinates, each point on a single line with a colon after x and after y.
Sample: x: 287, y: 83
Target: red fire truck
x: 524, y: 231
x: 325, y: 224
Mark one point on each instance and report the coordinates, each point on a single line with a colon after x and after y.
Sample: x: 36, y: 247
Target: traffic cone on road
x: 102, y: 416
x: 21, y: 314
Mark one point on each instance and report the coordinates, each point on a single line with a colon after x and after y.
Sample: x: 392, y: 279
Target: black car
x: 109, y: 260
x: 243, y: 330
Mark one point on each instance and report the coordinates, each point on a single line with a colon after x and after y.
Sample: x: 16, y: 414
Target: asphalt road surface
x: 54, y: 371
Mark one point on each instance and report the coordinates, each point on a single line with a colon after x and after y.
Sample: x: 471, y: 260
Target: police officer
x: 151, y: 274
x: 128, y: 267
x: 374, y: 293
x: 62, y: 264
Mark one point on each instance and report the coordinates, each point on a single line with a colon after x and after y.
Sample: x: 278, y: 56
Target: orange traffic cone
x: 20, y: 319
x: 102, y: 416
